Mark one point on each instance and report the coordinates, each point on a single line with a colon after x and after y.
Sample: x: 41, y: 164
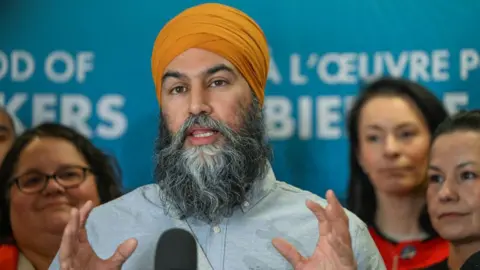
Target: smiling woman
x: 48, y: 171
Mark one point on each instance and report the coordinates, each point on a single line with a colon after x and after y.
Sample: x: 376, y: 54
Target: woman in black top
x: 453, y: 195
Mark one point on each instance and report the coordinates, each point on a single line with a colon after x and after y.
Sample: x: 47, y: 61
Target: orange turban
x: 220, y: 29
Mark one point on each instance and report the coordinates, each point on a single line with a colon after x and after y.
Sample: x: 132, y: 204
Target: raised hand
x: 334, y: 246
x: 76, y: 252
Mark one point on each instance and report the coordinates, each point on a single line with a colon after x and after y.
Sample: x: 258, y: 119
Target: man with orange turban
x: 213, y: 177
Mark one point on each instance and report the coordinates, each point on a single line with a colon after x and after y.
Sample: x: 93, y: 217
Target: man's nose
x: 199, y: 100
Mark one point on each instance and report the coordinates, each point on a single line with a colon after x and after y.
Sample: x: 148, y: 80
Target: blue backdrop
x: 87, y: 64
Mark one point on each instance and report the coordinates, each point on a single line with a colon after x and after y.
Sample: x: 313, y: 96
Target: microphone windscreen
x: 176, y: 250
x: 473, y: 262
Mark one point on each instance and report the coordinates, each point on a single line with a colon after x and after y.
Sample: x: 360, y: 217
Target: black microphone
x: 176, y: 250
x: 473, y: 262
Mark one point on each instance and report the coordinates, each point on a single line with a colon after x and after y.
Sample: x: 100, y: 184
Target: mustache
x: 203, y: 121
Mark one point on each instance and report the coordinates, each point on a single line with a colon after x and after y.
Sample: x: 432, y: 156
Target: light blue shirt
x: 242, y: 241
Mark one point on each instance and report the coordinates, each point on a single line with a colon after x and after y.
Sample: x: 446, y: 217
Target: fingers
x: 333, y: 228
x: 337, y: 218
x: 331, y: 219
x: 319, y: 212
x: 342, y: 249
x: 85, y: 212
x: 337, y: 208
x: 123, y: 252
x: 288, y: 251
x: 69, y: 243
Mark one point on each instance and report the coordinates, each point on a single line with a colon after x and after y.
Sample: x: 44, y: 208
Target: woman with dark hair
x: 49, y: 170
x: 390, y: 126
x: 453, y: 194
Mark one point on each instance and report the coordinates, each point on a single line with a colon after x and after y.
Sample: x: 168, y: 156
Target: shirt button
x: 246, y: 204
x: 216, y: 229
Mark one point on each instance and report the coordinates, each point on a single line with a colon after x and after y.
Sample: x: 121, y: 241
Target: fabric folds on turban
x: 220, y: 29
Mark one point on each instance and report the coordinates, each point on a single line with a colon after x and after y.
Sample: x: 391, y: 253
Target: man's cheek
x: 174, y: 128
x: 232, y: 123
x: 238, y: 123
x: 173, y: 123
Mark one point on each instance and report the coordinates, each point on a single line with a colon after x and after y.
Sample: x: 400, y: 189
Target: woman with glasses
x: 49, y: 170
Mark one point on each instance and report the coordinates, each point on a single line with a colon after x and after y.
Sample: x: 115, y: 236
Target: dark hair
x: 462, y: 121
x: 361, y: 198
x: 105, y: 168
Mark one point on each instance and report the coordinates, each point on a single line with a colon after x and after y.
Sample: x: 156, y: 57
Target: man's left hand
x: 334, y: 246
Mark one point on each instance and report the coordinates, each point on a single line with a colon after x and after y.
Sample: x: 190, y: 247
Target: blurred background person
x: 390, y: 127
x: 453, y: 193
x: 7, y: 133
x: 49, y: 169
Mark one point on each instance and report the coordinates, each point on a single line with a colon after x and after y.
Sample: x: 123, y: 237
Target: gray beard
x: 208, y: 182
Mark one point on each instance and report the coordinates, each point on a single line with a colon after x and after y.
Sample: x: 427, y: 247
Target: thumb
x: 123, y: 252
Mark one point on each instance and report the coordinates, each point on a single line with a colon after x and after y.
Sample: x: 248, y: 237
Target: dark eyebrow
x: 217, y: 68
x: 172, y: 74
x: 459, y: 166
x: 403, y: 125
x: 59, y: 168
x: 465, y: 164
x: 210, y: 71
x: 374, y: 127
x: 435, y: 168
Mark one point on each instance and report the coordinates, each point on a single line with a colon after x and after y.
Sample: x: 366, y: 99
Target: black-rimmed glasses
x: 34, y: 182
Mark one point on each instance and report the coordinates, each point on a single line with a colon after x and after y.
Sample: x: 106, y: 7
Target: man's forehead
x: 196, y: 62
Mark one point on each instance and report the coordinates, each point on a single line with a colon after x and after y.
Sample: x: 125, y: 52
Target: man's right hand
x: 77, y: 253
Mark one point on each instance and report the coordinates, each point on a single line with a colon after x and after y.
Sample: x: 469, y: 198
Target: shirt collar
x: 259, y: 190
